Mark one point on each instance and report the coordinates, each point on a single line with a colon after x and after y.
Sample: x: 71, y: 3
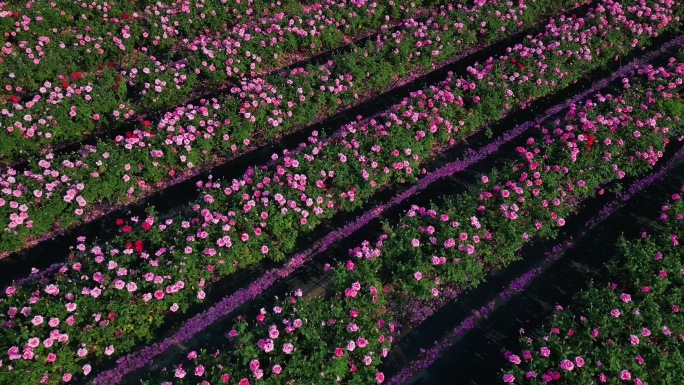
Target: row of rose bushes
x: 63, y: 104
x: 71, y: 21
x: 47, y: 194
x: 156, y: 266
x: 451, y: 244
x: 39, y: 37
x: 630, y: 331
x: 46, y: 39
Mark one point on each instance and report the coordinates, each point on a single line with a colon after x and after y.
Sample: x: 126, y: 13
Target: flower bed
x: 629, y: 331
x: 69, y: 93
x: 143, y: 161
x: 154, y: 269
x: 452, y: 244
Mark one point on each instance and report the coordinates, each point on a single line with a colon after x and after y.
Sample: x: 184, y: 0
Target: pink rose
x: 351, y: 345
x: 566, y: 365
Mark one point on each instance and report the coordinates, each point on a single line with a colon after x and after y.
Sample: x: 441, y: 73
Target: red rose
x: 110, y: 64
x: 146, y: 123
x: 129, y: 245
x: 119, y: 222
x: 146, y: 226
x: 118, y: 78
x: 512, y: 60
x: 520, y: 66
x: 115, y: 86
x: 65, y: 84
x: 100, y: 68
x: 124, y: 16
x: 127, y: 229
x: 14, y: 98
x: 76, y: 75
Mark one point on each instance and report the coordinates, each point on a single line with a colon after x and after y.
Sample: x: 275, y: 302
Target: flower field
x: 357, y: 171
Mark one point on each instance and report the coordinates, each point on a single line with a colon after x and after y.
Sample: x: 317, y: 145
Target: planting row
x: 629, y: 331
x: 50, y: 102
x: 108, y: 297
x: 62, y: 190
x: 445, y: 247
x: 232, y: 124
x: 45, y: 39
